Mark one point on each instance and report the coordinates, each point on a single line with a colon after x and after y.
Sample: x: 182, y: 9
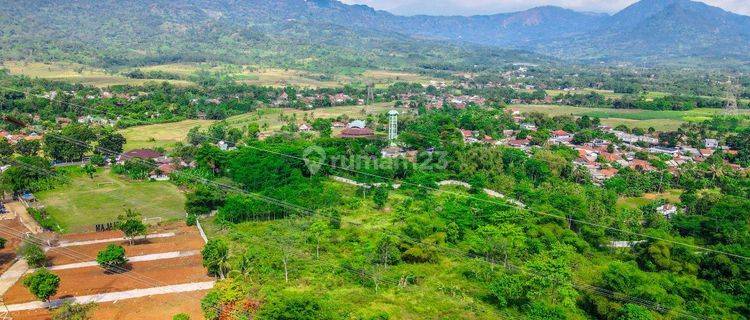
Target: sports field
x: 84, y: 202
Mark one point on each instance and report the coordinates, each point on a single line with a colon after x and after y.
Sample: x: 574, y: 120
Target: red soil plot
x: 9, y: 230
x: 158, y: 307
x: 185, y: 239
x: 93, y: 280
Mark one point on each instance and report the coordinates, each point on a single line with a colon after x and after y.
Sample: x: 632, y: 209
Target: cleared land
x: 161, y: 135
x: 141, y: 275
x: 671, y: 196
x: 167, y: 134
x: 660, y: 120
x: 85, y: 202
x: 75, y: 73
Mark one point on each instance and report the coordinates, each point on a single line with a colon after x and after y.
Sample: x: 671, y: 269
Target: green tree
x: 6, y: 149
x: 28, y: 147
x: 215, y: 257
x: 380, y: 197
x: 90, y: 170
x: 70, y: 144
x: 131, y: 225
x: 112, y: 258
x: 318, y: 231
x: 33, y: 254
x: 110, y: 142
x: 323, y: 126
x: 42, y: 284
x: 73, y: 311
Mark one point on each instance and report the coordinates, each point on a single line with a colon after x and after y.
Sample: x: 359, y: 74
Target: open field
x: 671, y: 196
x: 660, y: 120
x: 283, y: 77
x: 84, y: 281
x: 167, y: 134
x: 85, y: 202
x: 75, y: 73
x: 159, y: 135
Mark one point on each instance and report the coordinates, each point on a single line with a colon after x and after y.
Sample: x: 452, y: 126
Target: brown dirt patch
x: 10, y: 230
x: 158, y: 307
x: 185, y: 239
x: 93, y: 280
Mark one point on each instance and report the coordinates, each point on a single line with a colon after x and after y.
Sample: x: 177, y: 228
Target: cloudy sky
x: 468, y: 7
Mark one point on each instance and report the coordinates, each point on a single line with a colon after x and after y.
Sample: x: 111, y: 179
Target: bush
x: 294, y: 306
x: 44, y: 220
x: 112, y: 258
x: 191, y: 220
x: 73, y: 311
x: 181, y: 316
x: 3, y: 241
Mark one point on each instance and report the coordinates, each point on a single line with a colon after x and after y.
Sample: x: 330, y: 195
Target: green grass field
x: 75, y: 73
x: 660, y: 120
x: 162, y: 135
x: 84, y: 202
x: 165, y: 135
x: 672, y: 196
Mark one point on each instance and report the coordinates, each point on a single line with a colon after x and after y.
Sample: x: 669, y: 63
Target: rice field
x: 659, y: 120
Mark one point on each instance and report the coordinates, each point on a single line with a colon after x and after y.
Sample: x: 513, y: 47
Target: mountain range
x: 331, y: 34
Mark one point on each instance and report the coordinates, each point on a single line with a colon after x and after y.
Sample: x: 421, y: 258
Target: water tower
x: 392, y: 125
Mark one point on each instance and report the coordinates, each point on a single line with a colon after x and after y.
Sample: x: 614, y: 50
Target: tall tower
x: 392, y: 125
x: 731, y: 96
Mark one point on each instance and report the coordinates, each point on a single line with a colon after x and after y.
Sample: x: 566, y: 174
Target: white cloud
x: 467, y: 7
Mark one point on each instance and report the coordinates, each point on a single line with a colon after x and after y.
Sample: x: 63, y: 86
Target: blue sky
x: 468, y: 7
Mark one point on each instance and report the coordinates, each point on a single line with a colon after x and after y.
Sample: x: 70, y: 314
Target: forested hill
x: 285, y: 33
x: 329, y: 34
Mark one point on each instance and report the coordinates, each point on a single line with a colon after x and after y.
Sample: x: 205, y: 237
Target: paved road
x: 12, y: 275
x: 147, y: 257
x: 83, y: 243
x: 114, y: 296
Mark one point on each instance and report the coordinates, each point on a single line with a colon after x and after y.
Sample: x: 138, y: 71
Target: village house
x: 143, y: 154
x: 667, y: 210
x: 304, y: 128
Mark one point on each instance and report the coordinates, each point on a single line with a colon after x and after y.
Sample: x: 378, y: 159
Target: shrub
x: 181, y: 316
x: 112, y: 258
x: 33, y: 254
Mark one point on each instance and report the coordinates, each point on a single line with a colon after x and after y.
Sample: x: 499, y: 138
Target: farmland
x: 75, y: 73
x: 85, y: 202
x: 659, y: 120
x: 166, y: 135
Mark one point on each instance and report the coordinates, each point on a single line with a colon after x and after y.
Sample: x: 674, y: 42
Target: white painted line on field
x: 83, y: 243
x: 147, y: 257
x: 115, y: 296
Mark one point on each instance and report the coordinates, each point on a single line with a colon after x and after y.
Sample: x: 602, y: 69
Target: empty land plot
x: 186, y: 239
x: 84, y: 202
x: 11, y: 230
x: 162, y: 135
x: 157, y: 307
x: 93, y: 280
x: 75, y: 73
x: 660, y: 120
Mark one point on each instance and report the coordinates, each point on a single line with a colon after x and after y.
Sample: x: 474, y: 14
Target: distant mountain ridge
x: 294, y: 32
